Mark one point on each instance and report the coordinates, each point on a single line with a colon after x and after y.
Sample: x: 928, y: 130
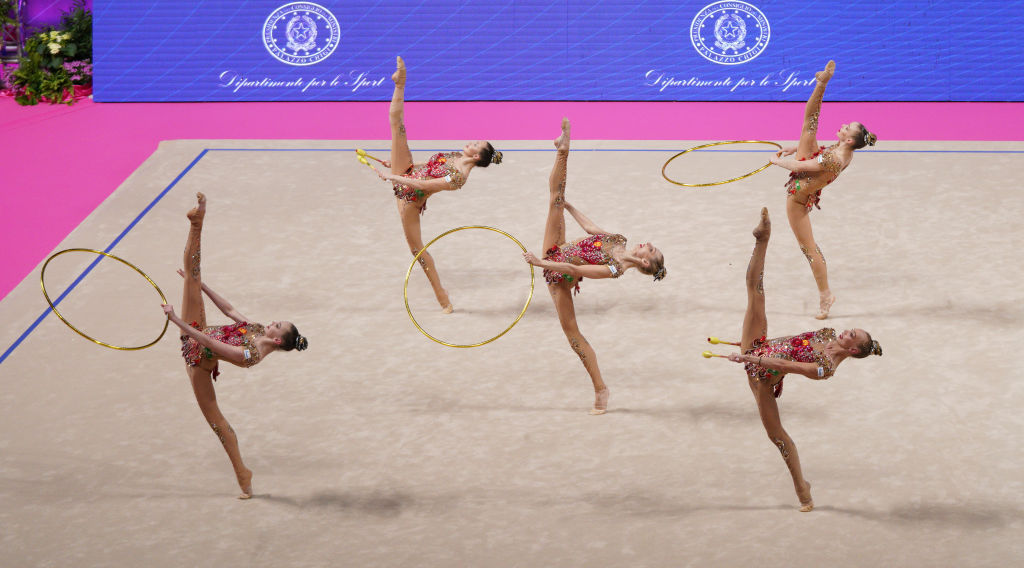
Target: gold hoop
x: 717, y: 144
x: 408, y: 273
x: 42, y: 283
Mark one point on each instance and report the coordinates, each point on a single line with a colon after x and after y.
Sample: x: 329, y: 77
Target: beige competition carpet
x: 378, y: 447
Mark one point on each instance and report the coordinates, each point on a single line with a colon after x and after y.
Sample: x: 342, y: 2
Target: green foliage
x: 78, y: 23
x: 40, y: 76
x: 7, y: 12
x: 47, y: 71
x: 33, y: 83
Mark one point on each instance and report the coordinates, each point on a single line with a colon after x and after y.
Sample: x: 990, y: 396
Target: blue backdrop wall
x: 643, y: 50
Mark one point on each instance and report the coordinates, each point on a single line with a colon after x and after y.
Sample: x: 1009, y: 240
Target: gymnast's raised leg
x: 755, y: 326
x: 200, y: 375
x: 561, y: 292
x: 409, y: 212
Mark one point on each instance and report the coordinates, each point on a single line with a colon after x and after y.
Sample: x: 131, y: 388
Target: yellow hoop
x: 670, y: 180
x: 408, y: 273
x: 42, y: 283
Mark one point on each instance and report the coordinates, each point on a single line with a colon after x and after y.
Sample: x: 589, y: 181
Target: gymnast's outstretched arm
x: 584, y: 271
x: 222, y: 304
x: 585, y: 223
x: 795, y: 165
x: 430, y: 186
x: 809, y: 370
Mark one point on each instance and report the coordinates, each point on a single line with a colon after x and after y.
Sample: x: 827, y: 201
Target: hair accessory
x: 660, y: 274
x: 869, y: 138
x: 876, y: 349
x: 301, y: 343
x: 496, y: 157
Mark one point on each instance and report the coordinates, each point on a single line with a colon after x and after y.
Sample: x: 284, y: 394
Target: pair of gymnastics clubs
x: 716, y: 341
x: 363, y: 155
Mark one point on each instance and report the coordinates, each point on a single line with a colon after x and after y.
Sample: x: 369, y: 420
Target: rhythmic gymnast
x: 414, y: 183
x: 809, y: 176
x: 813, y: 354
x: 242, y: 344
x: 601, y: 255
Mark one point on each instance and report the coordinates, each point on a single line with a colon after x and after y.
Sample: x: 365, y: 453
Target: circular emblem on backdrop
x: 301, y: 33
x: 729, y: 33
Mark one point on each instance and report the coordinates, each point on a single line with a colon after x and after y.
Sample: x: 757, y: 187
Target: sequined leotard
x: 825, y: 157
x: 591, y: 250
x: 808, y: 347
x: 242, y: 334
x: 440, y: 165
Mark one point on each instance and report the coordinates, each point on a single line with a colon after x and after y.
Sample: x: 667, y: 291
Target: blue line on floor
x: 88, y: 269
x: 204, y: 152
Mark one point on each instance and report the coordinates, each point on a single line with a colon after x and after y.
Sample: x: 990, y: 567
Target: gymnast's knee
x: 423, y: 257
x: 572, y: 332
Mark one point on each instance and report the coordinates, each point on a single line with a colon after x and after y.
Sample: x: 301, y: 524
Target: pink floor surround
x: 60, y: 162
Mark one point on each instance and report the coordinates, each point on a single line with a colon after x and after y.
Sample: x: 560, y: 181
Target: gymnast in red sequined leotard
x: 808, y: 347
x: 813, y: 354
x: 601, y: 255
x: 439, y: 166
x: 589, y: 250
x: 812, y: 167
x: 242, y: 343
x: 414, y: 183
x: 241, y: 334
x: 801, y: 180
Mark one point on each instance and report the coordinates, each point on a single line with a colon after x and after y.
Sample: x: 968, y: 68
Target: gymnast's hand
x: 786, y: 151
x: 169, y: 310
x: 383, y: 175
x: 531, y: 259
x: 737, y: 358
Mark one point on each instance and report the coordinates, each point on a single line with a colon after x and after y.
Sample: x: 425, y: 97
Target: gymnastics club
x: 716, y: 341
x: 708, y: 355
x: 363, y: 160
x: 362, y: 155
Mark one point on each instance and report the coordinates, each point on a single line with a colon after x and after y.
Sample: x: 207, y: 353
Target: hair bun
x: 660, y: 274
x: 496, y: 157
x: 301, y: 343
x: 876, y: 349
x: 870, y: 139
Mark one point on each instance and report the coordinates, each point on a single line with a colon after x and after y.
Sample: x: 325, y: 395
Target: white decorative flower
x: 54, y: 48
x: 53, y: 34
x: 66, y: 36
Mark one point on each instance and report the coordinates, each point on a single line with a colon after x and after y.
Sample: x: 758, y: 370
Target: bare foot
x: 199, y: 211
x: 600, y: 402
x: 562, y: 142
x: 825, y: 304
x: 824, y: 75
x: 245, y: 482
x: 399, y: 75
x: 806, y: 503
x: 763, y: 230
x: 446, y: 303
